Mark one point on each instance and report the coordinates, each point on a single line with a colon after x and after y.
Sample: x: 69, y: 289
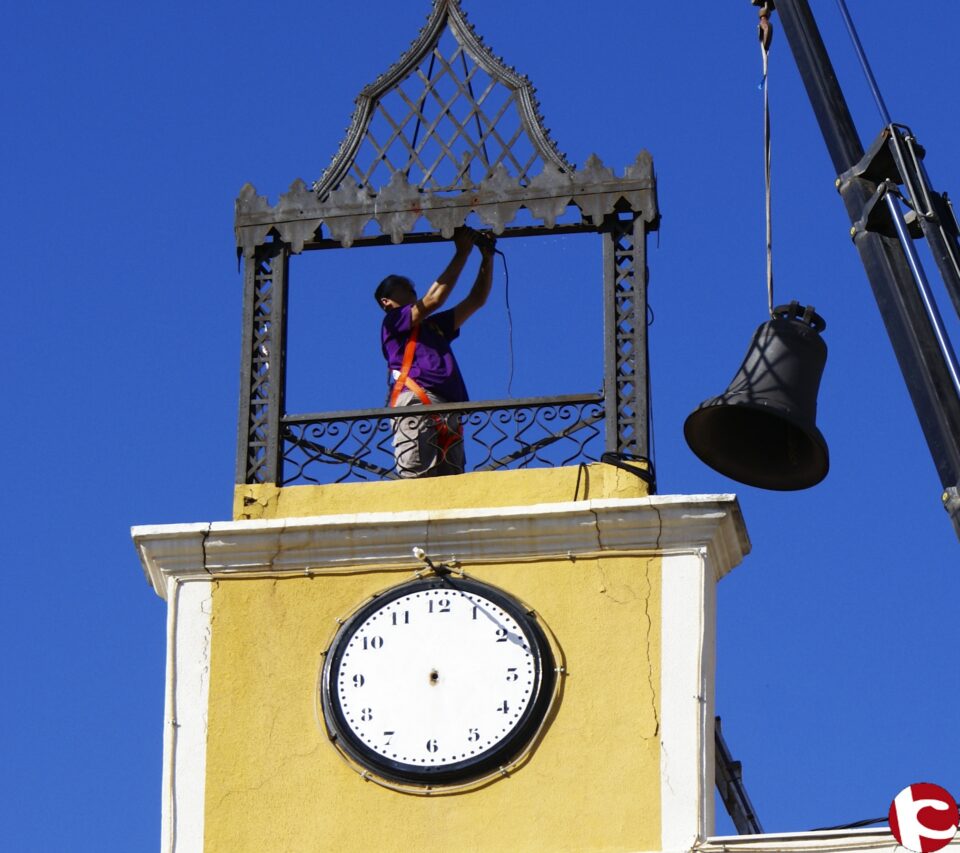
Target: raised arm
x: 438, y: 292
x: 478, y: 294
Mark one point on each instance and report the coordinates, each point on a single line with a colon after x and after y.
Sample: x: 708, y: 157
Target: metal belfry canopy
x: 449, y: 131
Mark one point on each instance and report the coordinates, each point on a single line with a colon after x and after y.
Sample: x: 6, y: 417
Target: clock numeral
x: 504, y: 707
x: 366, y: 714
x: 389, y: 737
x: 502, y: 635
x: 372, y: 643
x: 442, y: 606
x: 432, y: 745
x: 474, y: 612
x: 400, y: 619
x: 512, y: 673
x: 359, y: 680
x: 473, y: 735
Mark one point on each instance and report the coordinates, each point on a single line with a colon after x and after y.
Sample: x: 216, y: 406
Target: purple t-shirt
x: 434, y: 366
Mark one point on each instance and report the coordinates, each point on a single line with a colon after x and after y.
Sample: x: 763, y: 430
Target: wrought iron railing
x: 376, y: 444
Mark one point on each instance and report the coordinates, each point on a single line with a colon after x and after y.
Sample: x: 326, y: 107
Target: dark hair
x: 388, y: 284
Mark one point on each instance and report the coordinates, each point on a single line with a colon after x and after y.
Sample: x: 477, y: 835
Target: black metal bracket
x: 878, y: 163
x: 729, y: 779
x: 880, y: 166
x: 639, y: 466
x: 876, y: 216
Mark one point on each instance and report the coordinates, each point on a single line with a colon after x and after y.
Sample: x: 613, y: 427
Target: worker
x: 416, y: 338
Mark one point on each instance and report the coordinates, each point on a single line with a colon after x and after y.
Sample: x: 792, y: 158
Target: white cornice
x: 655, y: 524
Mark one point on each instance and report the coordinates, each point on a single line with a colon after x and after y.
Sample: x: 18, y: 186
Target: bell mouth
x: 756, y: 445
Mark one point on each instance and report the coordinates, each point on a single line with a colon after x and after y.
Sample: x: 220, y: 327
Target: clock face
x: 437, y: 681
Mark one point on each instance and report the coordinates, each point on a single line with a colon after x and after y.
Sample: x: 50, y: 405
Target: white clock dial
x: 437, y: 680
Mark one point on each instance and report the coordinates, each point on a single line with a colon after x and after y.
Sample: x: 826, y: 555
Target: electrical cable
x: 453, y: 562
x: 651, y: 434
x: 581, y: 469
x: 631, y: 462
x: 173, y: 596
x: 506, y: 299
x: 486, y: 239
x: 855, y: 825
x: 651, y: 437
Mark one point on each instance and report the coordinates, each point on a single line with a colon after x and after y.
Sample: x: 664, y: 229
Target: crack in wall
x: 603, y: 589
x: 596, y: 527
x: 646, y: 613
x: 649, y: 636
x: 280, y: 770
x: 656, y: 509
x: 203, y: 547
x: 279, y: 549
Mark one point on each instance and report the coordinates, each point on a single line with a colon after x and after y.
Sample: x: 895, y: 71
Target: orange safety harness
x: 446, y: 437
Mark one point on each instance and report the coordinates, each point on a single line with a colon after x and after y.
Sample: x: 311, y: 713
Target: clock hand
x: 516, y: 639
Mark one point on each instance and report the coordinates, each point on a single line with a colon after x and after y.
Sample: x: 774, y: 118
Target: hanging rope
x: 765, y: 31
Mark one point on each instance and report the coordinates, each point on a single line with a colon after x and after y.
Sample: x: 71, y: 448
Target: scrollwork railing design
x: 379, y: 444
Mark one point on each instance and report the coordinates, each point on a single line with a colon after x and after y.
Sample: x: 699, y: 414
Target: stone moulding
x: 299, y: 216
x: 656, y: 524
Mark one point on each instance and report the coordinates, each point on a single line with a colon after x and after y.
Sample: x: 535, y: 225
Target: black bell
x: 761, y: 431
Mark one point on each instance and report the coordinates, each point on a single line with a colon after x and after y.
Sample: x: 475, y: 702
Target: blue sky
x: 130, y: 128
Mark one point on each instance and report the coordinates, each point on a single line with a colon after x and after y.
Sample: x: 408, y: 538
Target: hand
x: 464, y: 239
x: 486, y: 242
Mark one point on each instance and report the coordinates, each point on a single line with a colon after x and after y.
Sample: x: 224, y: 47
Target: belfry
x: 516, y: 658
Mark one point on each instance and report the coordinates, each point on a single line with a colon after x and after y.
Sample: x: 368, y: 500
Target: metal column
x: 626, y: 376
x: 263, y: 365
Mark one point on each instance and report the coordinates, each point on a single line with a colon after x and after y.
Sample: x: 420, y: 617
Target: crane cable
x: 765, y: 32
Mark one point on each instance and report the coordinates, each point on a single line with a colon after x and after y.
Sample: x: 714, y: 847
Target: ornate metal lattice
x: 448, y: 114
x: 449, y: 118
x: 532, y: 433
x: 264, y: 343
x: 448, y: 132
x: 626, y: 320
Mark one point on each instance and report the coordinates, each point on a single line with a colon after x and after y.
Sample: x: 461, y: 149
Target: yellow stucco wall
x: 479, y: 489
x: 275, y: 783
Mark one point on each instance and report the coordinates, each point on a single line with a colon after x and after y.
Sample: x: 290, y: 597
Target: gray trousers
x: 421, y: 442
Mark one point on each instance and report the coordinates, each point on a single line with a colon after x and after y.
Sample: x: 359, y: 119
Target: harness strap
x: 405, y: 366
x: 445, y: 436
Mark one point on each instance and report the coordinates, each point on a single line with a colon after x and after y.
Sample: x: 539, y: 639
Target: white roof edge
x: 825, y: 840
x: 657, y: 523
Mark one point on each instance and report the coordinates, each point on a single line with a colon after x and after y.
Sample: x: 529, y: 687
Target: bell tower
x: 519, y: 657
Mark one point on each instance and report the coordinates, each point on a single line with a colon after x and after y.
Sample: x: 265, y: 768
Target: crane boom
x: 867, y: 182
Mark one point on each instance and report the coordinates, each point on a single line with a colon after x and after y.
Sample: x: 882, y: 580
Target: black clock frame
x: 475, y: 767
